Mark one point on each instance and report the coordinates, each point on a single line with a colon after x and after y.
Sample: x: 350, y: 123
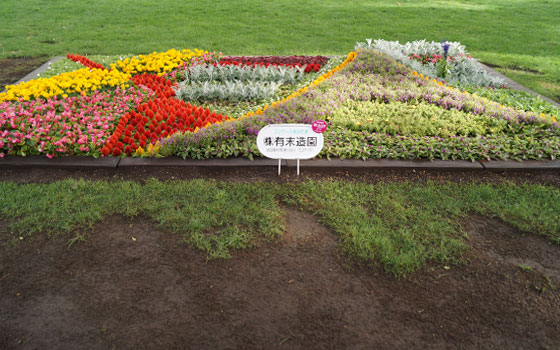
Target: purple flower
x: 445, y: 45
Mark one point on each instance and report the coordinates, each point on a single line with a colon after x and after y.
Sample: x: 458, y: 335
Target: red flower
x: 105, y: 151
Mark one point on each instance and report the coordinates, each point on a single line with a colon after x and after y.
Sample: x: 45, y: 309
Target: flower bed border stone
x: 115, y: 163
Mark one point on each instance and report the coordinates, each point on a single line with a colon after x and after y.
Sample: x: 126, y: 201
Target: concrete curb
x: 179, y: 162
x: 62, y: 162
x: 526, y: 165
x: 128, y: 163
x: 387, y: 163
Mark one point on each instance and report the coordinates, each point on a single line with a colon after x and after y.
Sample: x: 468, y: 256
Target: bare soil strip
x: 133, y: 286
x: 269, y: 174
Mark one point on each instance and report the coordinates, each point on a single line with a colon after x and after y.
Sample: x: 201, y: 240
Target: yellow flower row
x: 350, y: 58
x: 156, y: 62
x: 79, y: 81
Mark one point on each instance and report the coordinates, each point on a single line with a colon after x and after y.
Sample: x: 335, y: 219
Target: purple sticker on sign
x: 319, y: 126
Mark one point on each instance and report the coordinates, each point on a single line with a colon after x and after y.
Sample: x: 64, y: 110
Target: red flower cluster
x: 277, y: 59
x: 314, y: 63
x: 85, y: 61
x: 159, y: 85
x: 312, y: 67
x: 156, y: 119
x: 424, y: 59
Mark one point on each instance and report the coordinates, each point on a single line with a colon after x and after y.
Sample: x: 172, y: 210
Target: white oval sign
x: 289, y: 141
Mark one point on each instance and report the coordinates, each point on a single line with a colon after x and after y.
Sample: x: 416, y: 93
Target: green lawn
x: 512, y: 33
x: 396, y: 226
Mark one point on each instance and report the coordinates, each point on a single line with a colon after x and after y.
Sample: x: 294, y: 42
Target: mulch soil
x: 13, y: 69
x: 269, y: 174
x: 297, y: 292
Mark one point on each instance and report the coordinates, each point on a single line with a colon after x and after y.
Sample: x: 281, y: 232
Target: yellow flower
x: 64, y: 84
x: 159, y: 63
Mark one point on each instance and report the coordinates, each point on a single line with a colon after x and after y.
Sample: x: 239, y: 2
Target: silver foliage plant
x: 228, y: 90
x: 463, y: 70
x: 279, y: 74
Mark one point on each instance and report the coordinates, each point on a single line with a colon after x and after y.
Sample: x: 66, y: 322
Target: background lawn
x: 519, y: 36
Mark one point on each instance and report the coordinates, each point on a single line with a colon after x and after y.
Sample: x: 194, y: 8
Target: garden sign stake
x: 290, y: 141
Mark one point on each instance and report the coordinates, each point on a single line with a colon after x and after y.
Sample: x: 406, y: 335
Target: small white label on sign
x: 289, y: 141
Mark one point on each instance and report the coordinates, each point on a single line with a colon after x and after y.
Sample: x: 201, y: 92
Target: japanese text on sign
x: 289, y: 141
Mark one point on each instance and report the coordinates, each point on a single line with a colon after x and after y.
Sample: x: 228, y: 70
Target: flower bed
x: 81, y: 81
x: 77, y: 125
x: 196, y: 104
x: 160, y: 117
x: 395, y: 97
x: 123, y: 109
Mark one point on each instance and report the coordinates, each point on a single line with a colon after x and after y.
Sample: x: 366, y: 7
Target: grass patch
x: 397, y: 226
x: 404, y: 226
x: 67, y: 65
x: 214, y: 217
x: 33, y: 28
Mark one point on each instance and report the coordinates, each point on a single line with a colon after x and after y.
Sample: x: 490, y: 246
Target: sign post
x: 290, y: 141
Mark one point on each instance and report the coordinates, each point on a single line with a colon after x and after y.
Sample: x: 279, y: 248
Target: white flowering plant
x: 445, y: 60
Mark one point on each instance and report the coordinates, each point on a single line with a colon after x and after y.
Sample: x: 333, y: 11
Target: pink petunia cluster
x: 77, y: 125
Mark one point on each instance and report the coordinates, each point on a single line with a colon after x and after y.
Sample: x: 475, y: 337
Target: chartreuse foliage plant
x: 420, y: 119
x: 399, y: 227
x: 514, y: 98
x: 378, y: 108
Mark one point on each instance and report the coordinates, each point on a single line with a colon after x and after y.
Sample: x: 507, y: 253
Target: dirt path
x: 296, y: 293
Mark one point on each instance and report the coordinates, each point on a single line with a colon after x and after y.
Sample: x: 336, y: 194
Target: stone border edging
x: 61, y: 162
x: 527, y: 165
x: 116, y: 163
x: 388, y: 163
x: 176, y: 161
